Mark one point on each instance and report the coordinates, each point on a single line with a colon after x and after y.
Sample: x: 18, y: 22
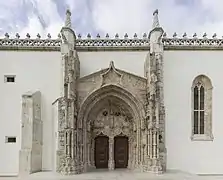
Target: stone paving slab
x: 115, y: 175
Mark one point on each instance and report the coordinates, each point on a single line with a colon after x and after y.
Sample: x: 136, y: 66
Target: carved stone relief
x: 135, y: 84
x: 110, y: 117
x: 111, y: 76
x: 111, y: 102
x: 112, y: 110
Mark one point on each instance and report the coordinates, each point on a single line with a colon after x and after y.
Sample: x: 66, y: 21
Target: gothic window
x: 202, y: 108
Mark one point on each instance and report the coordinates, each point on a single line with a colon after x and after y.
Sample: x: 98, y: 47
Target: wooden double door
x: 120, y: 151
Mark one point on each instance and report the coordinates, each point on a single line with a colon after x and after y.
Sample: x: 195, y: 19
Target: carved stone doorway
x: 101, y: 151
x: 111, y: 111
x: 121, y: 151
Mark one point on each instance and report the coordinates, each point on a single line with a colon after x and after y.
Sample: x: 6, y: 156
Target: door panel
x: 121, y: 152
x: 101, y: 152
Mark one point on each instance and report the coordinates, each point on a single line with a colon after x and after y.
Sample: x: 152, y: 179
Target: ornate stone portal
x: 110, y: 118
x: 112, y: 107
x: 110, y: 104
x: 111, y: 111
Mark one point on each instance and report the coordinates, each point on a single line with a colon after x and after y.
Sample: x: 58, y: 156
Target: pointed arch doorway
x: 111, y: 111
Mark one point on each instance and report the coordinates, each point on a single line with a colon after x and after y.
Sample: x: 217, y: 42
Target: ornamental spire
x: 68, y: 19
x: 155, y: 19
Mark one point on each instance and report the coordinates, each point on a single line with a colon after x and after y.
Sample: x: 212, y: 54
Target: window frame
x: 10, y: 137
x: 9, y: 76
x: 204, y: 81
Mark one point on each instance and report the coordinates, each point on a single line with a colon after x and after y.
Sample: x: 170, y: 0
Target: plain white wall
x: 132, y: 62
x: 42, y: 70
x: 180, y: 68
x: 34, y: 71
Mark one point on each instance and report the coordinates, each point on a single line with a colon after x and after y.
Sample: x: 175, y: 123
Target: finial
x: 155, y: 19
x: 98, y: 36
x: 111, y: 64
x: 164, y: 35
x: 79, y: 36
x: 116, y: 36
x: 38, y: 36
x: 214, y: 36
x: 185, y: 35
x: 195, y: 35
x: 144, y: 35
x: 175, y: 35
x: 6, y: 36
x: 59, y: 36
x: 49, y: 36
x: 89, y: 36
x: 135, y: 36
x: 17, y: 35
x: 205, y: 36
x: 68, y: 19
x: 126, y: 36
x: 28, y: 36
x: 155, y: 12
x: 107, y: 35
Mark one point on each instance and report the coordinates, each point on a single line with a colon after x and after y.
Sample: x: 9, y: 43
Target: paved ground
x: 115, y: 175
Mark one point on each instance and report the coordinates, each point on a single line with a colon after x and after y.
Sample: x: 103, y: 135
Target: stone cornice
x: 107, y: 44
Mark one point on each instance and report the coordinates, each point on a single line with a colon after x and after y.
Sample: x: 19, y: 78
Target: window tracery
x: 202, y: 108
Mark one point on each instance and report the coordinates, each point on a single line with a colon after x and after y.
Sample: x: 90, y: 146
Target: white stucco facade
x: 180, y: 69
x: 39, y: 71
x: 39, y: 68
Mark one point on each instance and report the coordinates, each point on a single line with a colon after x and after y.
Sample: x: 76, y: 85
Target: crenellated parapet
x: 106, y: 42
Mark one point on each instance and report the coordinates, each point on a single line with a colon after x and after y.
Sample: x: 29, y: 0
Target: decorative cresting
x: 107, y: 43
x: 112, y: 101
x: 155, y: 112
x: 192, y: 42
x: 68, y: 153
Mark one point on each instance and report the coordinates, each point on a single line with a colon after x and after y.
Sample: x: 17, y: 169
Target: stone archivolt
x: 112, y: 110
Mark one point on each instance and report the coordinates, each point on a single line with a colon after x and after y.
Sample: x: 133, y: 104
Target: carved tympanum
x: 111, y: 116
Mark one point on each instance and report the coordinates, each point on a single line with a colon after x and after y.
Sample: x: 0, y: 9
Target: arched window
x: 202, y: 108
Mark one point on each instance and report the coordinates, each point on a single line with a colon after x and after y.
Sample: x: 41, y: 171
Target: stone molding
x: 116, y: 44
x: 132, y: 104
